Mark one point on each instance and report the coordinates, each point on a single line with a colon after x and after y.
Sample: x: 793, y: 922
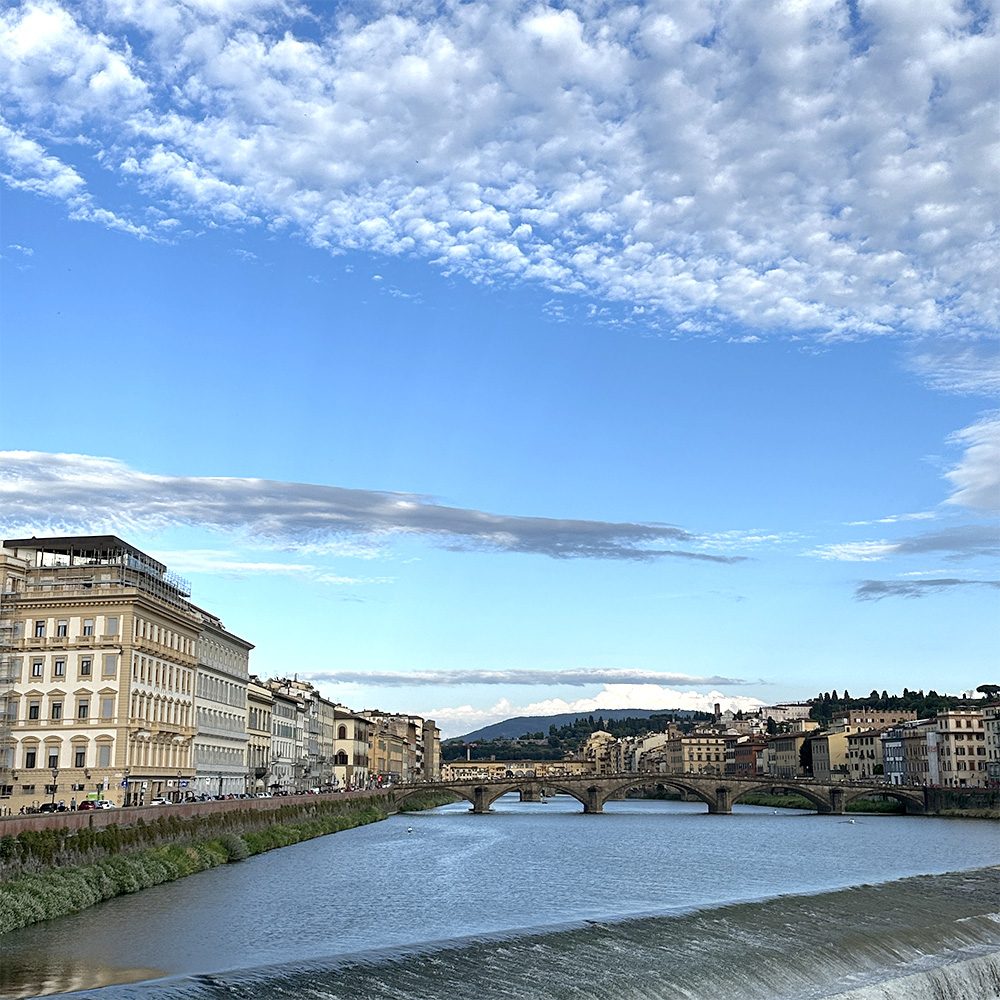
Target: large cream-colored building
x: 700, y: 752
x: 351, y: 765
x: 402, y: 747
x: 784, y: 751
x: 101, y: 653
x: 865, y: 755
x: 957, y: 749
x: 260, y: 704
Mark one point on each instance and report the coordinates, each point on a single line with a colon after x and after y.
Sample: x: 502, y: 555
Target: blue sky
x: 481, y: 363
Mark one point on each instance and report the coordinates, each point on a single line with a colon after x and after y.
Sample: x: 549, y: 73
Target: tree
x: 772, y: 727
x: 806, y: 756
x: 990, y: 690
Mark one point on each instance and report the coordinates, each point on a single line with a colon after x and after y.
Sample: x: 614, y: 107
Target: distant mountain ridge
x: 511, y: 729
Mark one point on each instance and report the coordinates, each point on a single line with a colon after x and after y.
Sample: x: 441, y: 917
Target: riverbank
x: 51, y: 873
x: 889, y: 807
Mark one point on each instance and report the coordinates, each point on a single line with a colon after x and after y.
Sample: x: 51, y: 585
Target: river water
x: 649, y: 900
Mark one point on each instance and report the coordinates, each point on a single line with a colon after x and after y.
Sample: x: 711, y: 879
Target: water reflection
x: 47, y: 971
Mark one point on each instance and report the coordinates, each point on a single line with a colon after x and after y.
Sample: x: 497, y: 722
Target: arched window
x: 342, y: 733
x: 341, y: 759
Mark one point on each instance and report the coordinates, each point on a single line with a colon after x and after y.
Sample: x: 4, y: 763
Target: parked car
x: 52, y: 807
x: 86, y: 804
x: 104, y: 804
x: 159, y: 802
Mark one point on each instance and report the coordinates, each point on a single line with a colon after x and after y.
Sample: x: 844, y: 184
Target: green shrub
x: 234, y: 846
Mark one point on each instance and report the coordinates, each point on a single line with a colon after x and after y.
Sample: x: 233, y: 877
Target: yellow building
x: 700, y: 752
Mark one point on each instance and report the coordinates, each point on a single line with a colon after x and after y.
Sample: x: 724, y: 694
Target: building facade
x: 220, y: 742
x: 260, y: 704
x: 102, y: 653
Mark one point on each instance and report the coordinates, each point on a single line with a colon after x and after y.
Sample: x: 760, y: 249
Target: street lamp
x: 55, y: 778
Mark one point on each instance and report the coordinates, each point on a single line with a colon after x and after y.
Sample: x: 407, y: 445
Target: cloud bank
x: 818, y: 167
x: 573, y: 678
x: 61, y: 493
x: 455, y: 721
x: 876, y: 590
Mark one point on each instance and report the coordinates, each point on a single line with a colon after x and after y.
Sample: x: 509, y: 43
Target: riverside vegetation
x: 51, y: 873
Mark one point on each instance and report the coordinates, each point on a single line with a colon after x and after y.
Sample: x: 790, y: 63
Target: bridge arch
x: 816, y: 797
x: 911, y: 799
x: 666, y: 781
x: 399, y: 795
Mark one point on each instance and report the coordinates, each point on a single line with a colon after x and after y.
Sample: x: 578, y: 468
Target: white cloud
x: 455, y: 721
x: 971, y: 369
x: 855, y: 551
x: 923, y: 515
x: 580, y: 677
x: 44, y: 492
x: 715, y: 163
x: 220, y: 562
x: 26, y: 166
x: 976, y: 478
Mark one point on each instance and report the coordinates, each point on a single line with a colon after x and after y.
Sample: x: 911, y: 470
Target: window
x: 85, y: 666
x: 111, y: 626
x: 61, y: 629
x: 88, y: 626
x: 40, y: 629
x: 34, y: 709
x: 342, y: 733
x: 56, y: 709
x: 59, y: 668
x: 30, y: 756
x: 37, y: 668
x: 104, y: 755
x: 53, y: 758
x: 107, y: 707
x: 110, y: 667
x: 79, y: 758
x: 83, y: 708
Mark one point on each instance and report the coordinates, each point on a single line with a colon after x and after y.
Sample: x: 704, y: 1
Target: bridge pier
x: 593, y: 803
x: 481, y: 803
x: 531, y: 793
x: 723, y: 804
x: 836, y: 806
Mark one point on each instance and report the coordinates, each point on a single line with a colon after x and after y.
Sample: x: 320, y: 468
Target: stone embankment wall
x: 975, y: 802
x: 96, y: 819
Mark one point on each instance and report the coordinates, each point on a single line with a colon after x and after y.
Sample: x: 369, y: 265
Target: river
x: 651, y: 899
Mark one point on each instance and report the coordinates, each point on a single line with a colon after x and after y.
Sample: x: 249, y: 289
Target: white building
x: 220, y: 742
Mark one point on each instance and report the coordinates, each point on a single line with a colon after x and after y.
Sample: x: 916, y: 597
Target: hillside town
x: 956, y: 748
x: 116, y: 689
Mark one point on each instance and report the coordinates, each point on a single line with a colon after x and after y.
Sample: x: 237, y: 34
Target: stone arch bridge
x: 717, y: 792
